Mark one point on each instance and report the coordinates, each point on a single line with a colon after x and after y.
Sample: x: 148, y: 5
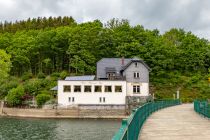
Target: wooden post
x: 177, y: 94
x: 1, y: 107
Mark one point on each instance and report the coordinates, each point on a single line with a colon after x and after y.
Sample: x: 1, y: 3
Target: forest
x: 35, y: 53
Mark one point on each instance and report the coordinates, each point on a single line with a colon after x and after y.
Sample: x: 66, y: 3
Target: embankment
x: 65, y: 113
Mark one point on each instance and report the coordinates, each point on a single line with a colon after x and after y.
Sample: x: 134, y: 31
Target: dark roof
x: 136, y: 60
x: 110, y: 69
x: 80, y: 78
x: 117, y: 63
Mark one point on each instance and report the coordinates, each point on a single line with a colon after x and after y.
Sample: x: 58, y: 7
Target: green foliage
x: 33, y: 86
x: 27, y: 76
x: 41, y: 75
x: 58, y: 46
x: 14, y: 97
x: 42, y: 98
x: 8, y: 84
x: 36, y: 23
x: 4, y: 64
x: 63, y: 74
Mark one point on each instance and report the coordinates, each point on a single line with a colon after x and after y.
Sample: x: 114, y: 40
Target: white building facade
x: 91, y: 92
x: 110, y: 87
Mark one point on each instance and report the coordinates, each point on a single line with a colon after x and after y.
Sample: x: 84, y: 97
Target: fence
x: 202, y: 107
x: 131, y: 127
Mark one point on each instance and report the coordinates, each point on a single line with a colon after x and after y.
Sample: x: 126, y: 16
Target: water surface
x: 57, y: 129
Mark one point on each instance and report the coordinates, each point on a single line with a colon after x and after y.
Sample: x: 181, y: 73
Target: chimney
x: 122, y: 60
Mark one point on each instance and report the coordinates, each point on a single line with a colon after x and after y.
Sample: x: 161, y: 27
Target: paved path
x: 176, y: 123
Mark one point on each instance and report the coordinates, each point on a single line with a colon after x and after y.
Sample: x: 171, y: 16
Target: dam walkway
x: 179, y: 122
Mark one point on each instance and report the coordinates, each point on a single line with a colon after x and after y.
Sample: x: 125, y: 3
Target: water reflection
x: 54, y: 129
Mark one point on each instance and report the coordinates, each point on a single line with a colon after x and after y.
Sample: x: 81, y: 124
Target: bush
x: 33, y: 86
x: 41, y: 75
x: 55, y: 74
x: 63, y: 74
x: 14, y: 97
x: 27, y: 76
x: 42, y: 99
x: 6, y: 86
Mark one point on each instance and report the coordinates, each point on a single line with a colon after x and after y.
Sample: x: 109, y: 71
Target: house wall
x: 82, y: 97
x: 143, y: 81
x: 129, y: 73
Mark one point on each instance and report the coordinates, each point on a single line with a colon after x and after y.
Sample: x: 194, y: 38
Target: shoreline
x: 67, y: 117
x: 64, y: 113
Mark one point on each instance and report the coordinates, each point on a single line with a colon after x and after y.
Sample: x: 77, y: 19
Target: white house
x: 116, y: 79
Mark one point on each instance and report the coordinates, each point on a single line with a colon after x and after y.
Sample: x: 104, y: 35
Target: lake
x: 57, y: 129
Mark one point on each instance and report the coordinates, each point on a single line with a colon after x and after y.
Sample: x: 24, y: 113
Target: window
x: 136, y: 64
x: 110, y: 76
x: 87, y: 89
x: 66, y: 88
x: 136, y: 75
x: 108, y: 88
x: 136, y: 89
x: 71, y: 99
x: 102, y: 99
x: 77, y: 88
x: 98, y: 89
x: 118, y: 88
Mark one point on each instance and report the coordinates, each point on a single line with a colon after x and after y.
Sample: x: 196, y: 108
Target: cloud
x: 191, y: 15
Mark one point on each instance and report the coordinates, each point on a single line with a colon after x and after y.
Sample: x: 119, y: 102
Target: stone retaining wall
x: 65, y: 113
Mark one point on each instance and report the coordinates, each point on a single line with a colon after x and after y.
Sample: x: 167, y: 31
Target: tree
x: 14, y: 97
x: 4, y: 64
x: 42, y: 98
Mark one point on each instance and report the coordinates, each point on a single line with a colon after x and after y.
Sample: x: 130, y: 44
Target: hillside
x: 45, y: 49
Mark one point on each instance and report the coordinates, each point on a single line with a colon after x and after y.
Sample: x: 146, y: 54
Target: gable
x: 136, y: 61
x: 141, y: 69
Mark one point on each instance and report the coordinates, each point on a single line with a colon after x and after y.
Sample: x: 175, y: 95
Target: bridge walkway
x: 176, y: 123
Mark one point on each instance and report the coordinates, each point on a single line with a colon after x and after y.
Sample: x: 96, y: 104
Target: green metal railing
x: 131, y: 127
x: 202, y: 107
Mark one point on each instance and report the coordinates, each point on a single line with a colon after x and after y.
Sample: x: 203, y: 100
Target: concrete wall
x: 111, y: 98
x: 65, y: 113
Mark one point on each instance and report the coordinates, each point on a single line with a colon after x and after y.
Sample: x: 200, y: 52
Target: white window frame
x: 102, y: 99
x: 118, y: 86
x: 77, y: 86
x: 136, y: 75
x: 90, y: 88
x: 71, y: 99
x: 66, y: 86
x: 97, y: 91
x: 136, y: 89
x: 108, y: 88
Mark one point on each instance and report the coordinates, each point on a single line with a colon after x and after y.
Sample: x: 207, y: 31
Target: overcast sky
x: 191, y: 15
